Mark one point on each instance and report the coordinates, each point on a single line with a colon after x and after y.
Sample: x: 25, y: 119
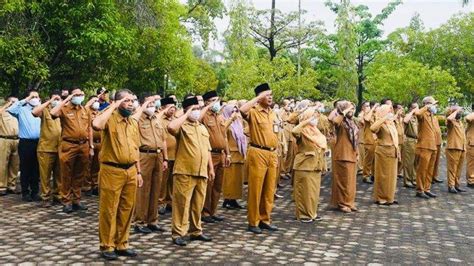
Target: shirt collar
x: 260, y: 108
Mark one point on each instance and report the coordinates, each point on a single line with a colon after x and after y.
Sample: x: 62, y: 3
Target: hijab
x: 236, y: 128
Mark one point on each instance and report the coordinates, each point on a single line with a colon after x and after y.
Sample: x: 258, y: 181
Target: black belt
x: 79, y: 141
x: 412, y: 137
x: 121, y: 166
x: 9, y: 137
x: 217, y: 150
x: 150, y: 150
x: 262, y: 147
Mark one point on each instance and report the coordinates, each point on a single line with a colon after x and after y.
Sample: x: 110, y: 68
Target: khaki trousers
x: 290, y: 156
x: 116, y: 203
x: 49, y: 163
x: 425, y: 160
x: 214, y: 187
x: 262, y: 172
x: 408, y: 157
x: 360, y: 162
x: 9, y: 163
x: 166, y: 188
x: 306, y: 193
x: 470, y: 164
x: 435, y: 169
x: 73, y: 164
x: 369, y: 157
x: 455, y: 160
x: 189, y: 193
x: 146, y: 208
x: 233, y: 181
x: 91, y: 179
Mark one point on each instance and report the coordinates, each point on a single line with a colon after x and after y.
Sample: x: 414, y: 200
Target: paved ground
x: 416, y: 231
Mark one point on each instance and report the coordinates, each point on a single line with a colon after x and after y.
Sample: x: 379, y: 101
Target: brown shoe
x: 345, y: 209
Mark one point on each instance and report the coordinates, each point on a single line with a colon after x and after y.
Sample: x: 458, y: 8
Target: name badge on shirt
x: 276, y: 127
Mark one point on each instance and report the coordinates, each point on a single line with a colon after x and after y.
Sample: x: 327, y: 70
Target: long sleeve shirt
x: 29, y: 126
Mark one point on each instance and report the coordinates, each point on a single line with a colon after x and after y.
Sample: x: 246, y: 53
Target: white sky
x: 432, y: 12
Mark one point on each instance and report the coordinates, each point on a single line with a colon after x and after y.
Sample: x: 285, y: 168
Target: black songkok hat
x: 167, y: 100
x: 190, y: 101
x: 208, y: 95
x: 261, y: 88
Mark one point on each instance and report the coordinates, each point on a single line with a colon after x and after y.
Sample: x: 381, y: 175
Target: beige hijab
x: 383, y: 111
x: 311, y: 132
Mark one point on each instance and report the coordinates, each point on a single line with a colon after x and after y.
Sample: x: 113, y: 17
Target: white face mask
x: 95, y: 105
x: 150, y: 111
x: 135, y: 104
x: 314, y: 122
x: 54, y: 103
x: 34, y: 102
x: 77, y: 100
x: 194, y: 115
x: 216, y: 107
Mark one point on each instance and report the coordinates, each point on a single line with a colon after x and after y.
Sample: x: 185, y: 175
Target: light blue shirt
x: 29, y: 126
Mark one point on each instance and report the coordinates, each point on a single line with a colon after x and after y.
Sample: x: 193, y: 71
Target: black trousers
x: 29, y: 169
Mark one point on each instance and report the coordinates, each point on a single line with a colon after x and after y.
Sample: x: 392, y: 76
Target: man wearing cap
x: 47, y: 151
x: 193, y: 167
x: 262, y: 159
x: 153, y: 161
x: 166, y: 189
x: 9, y: 161
x: 119, y: 175
x: 426, y: 147
x: 75, y: 148
x: 103, y: 93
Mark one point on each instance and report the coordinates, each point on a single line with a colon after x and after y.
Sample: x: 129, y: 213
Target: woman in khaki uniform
x: 470, y: 150
x: 308, y: 166
x: 234, y: 174
x: 387, y: 154
x: 455, y: 149
x: 344, y: 157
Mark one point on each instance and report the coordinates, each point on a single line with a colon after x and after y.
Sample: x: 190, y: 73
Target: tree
x: 404, y: 80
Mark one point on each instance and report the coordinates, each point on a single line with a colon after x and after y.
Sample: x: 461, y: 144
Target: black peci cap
x: 261, y: 88
x: 190, y: 101
x: 167, y: 100
x: 208, y: 95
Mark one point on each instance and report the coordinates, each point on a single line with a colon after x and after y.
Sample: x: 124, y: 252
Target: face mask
x: 292, y: 105
x: 135, y: 104
x: 313, y: 122
x: 95, y: 106
x: 150, y: 111
x: 390, y: 116
x: 54, y: 103
x: 194, y: 115
x: 158, y: 103
x: 125, y: 112
x: 433, y: 109
x: 77, y: 100
x: 34, y: 102
x: 216, y: 107
x: 321, y: 109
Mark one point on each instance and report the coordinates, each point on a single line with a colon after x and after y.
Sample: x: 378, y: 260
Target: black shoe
x: 56, y: 201
x: 12, y: 191
x: 255, y: 229
x: 452, y: 190
x: 88, y: 193
x: 318, y: 218
x: 268, y: 227
x: 36, y: 198
x: 79, y: 206
x: 162, y: 210
x: 126, y: 252
x: 3, y: 193
x: 436, y: 181
x: 470, y: 185
x: 200, y: 237
x: 26, y: 198
x: 407, y: 185
x: 421, y: 195
x: 432, y: 195
x: 169, y: 208
x: 217, y: 218
x: 207, y: 219
x: 67, y: 208
x: 227, y: 204
x: 155, y: 228
x: 459, y: 189
x: 236, y: 205
x: 109, y: 255
x: 367, y: 181
x: 400, y: 176
x: 142, y: 229
x: 180, y: 241
x: 95, y: 191
x: 372, y: 178
x: 307, y: 221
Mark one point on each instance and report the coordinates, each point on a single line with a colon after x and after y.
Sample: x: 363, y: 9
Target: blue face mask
x: 158, y: 103
x: 433, y: 109
x: 77, y: 100
x: 216, y: 107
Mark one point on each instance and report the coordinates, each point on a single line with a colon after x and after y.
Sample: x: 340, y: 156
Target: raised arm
x: 409, y: 116
x: 56, y: 111
x: 175, y: 124
x: 248, y: 105
x: 100, y: 121
x: 452, y: 117
x: 5, y: 106
x: 375, y: 127
x: 38, y: 110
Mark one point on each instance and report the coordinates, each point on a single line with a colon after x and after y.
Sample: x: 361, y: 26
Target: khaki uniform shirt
x: 369, y: 137
x: 261, y: 123
x: 387, y: 137
x: 456, y: 136
x: 96, y: 135
x: 309, y: 156
x: 120, y: 140
x: 152, y: 133
x: 193, y: 147
x: 343, y: 150
x: 170, y: 139
x: 8, y: 125
x: 411, y: 128
x: 400, y: 130
x: 216, y: 127
x: 470, y: 133
x: 426, y: 130
x: 50, y: 134
x: 75, y: 122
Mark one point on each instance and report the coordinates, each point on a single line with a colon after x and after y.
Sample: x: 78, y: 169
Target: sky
x: 433, y: 13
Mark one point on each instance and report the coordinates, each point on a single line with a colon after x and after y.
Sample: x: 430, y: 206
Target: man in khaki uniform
x: 214, y: 122
x: 75, y: 148
x: 455, y: 149
x: 166, y: 189
x: 9, y: 162
x: 426, y: 147
x: 118, y: 176
x: 193, y: 167
x: 262, y: 159
x: 439, y: 140
x: 47, y: 150
x: 398, y: 111
x: 368, y: 169
x: 409, y: 147
x: 470, y: 150
x: 90, y: 185
x: 153, y: 161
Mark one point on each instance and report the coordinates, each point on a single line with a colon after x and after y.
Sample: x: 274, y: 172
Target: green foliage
x: 405, y: 80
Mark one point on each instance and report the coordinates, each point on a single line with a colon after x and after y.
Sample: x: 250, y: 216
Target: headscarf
x: 309, y: 131
x: 383, y: 111
x: 349, y: 124
x: 237, y: 129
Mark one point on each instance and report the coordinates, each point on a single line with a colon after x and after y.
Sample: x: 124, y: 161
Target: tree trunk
x: 271, y: 40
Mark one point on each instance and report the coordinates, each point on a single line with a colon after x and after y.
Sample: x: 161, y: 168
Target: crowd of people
x: 146, y: 156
